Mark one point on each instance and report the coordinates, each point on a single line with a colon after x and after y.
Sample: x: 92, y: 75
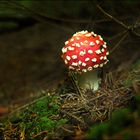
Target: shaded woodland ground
x: 33, y: 76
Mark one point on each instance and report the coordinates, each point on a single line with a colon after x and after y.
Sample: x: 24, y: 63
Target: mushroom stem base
x: 89, y: 80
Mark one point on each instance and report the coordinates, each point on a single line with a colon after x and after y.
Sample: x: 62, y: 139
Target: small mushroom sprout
x: 83, y: 53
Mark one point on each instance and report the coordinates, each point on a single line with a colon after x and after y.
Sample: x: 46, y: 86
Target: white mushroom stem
x: 89, y: 80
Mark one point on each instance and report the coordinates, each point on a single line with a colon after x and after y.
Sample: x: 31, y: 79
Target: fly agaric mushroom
x: 84, y: 53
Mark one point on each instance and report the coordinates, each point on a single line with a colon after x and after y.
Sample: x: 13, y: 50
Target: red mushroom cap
x: 85, y: 51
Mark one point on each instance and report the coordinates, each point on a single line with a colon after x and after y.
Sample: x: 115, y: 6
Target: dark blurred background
x: 32, y: 34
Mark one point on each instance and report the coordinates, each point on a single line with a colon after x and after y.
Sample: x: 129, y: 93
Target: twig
x: 113, y: 18
x: 97, y: 97
x: 65, y: 129
x: 135, y: 33
x: 117, y: 35
x: 128, y: 28
x: 40, y: 133
x: 98, y: 109
x: 120, y: 41
x: 73, y: 116
x: 116, y: 89
x: 37, y: 16
x: 29, y: 104
x: 73, y: 79
x: 79, y: 112
x: 137, y: 24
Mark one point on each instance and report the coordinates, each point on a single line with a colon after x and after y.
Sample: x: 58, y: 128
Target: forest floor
x: 67, y: 112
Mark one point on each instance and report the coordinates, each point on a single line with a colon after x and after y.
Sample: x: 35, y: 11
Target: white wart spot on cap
x: 74, y: 64
x: 66, y: 42
x: 64, y: 50
x: 90, y: 51
x: 90, y: 68
x: 101, y: 58
x: 92, y: 33
x: 105, y: 58
x: 102, y: 49
x: 96, y: 66
x: 82, y: 53
x: 94, y: 59
x: 104, y: 46
x: 88, y: 35
x: 74, y: 56
x: 107, y: 53
x: 81, y: 43
x: 77, y: 44
x: 79, y: 62
x: 97, y: 41
x: 84, y: 31
x: 98, y: 51
x: 87, y: 59
x: 66, y: 62
x: 81, y: 32
x: 84, y: 64
x: 100, y: 37
x: 106, y: 62
x: 84, y: 70
x: 70, y: 48
x: 77, y: 38
x: 91, y: 43
x: 101, y: 65
x: 72, y: 40
x: 86, y: 41
x: 72, y: 68
x: 73, y: 44
x: 68, y: 58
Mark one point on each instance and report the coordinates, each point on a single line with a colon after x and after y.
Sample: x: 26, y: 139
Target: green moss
x: 43, y: 115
